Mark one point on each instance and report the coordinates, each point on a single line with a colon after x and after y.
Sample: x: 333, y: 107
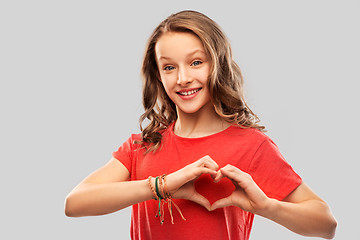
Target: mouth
x: 188, y: 92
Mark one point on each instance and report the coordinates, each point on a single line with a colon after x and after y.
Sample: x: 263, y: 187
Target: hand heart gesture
x: 230, y: 186
x: 247, y: 195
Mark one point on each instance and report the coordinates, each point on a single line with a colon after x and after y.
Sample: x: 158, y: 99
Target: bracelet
x: 157, y: 188
x: 165, y: 190
x: 152, y: 188
x: 161, y: 182
x: 162, y: 195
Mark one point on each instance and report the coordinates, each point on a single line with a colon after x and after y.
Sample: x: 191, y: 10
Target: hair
x: 225, y: 82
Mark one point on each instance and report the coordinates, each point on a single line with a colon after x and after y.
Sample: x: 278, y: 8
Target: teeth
x: 189, y: 92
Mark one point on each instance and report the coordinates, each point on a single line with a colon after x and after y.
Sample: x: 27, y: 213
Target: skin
x: 183, y: 65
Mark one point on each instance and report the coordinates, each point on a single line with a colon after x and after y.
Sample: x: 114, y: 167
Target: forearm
x: 91, y: 199
x: 308, y: 218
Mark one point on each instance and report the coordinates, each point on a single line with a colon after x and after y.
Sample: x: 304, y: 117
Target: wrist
x: 151, y: 184
x: 158, y: 187
x: 170, y: 184
x: 270, y: 209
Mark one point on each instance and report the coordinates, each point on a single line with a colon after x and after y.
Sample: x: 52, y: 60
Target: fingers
x: 224, y: 202
x: 204, y: 170
x: 218, y: 176
x: 231, y: 172
x: 205, y: 165
x: 231, y: 169
x: 207, y: 162
x: 228, y: 171
x: 201, y: 200
x: 234, y: 174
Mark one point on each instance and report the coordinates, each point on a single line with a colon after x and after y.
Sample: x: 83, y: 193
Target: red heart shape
x: 212, y: 191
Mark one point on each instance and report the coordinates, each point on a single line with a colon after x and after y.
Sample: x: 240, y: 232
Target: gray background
x: 70, y: 94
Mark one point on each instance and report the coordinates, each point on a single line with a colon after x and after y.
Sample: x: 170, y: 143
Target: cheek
x: 167, y: 87
x: 203, y: 75
x: 168, y: 81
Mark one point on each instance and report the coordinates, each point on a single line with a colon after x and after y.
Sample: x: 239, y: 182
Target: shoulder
x: 130, y: 143
x: 135, y: 137
x: 248, y: 134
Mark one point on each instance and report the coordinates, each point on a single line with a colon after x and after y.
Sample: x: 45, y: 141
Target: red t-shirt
x: 248, y: 149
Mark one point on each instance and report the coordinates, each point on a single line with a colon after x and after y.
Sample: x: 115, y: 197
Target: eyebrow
x: 189, y: 54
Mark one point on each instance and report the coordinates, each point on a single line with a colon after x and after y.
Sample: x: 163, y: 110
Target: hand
x: 180, y: 184
x: 247, y: 195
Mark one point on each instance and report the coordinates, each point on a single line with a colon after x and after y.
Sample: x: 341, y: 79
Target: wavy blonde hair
x: 225, y: 81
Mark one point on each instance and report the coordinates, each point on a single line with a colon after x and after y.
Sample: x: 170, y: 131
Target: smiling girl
x: 202, y: 165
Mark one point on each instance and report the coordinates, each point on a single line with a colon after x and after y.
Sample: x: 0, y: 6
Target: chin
x: 193, y: 110
x: 189, y: 111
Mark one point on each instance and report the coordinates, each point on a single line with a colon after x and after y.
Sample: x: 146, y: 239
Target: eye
x: 196, y: 63
x: 169, y: 68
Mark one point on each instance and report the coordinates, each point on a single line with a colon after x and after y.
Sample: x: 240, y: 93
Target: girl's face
x: 184, y: 70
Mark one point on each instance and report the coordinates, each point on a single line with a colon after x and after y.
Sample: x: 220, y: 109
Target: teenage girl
x: 202, y: 165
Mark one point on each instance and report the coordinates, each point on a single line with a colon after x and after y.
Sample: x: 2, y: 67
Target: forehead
x: 176, y: 44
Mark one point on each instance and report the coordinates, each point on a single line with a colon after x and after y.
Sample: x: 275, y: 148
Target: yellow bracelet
x: 152, y: 188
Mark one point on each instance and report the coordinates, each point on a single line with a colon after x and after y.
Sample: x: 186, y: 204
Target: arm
x: 108, y: 190
x: 105, y: 191
x: 302, y: 211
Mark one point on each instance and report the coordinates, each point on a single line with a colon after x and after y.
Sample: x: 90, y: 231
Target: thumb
x: 201, y: 200
x: 224, y: 202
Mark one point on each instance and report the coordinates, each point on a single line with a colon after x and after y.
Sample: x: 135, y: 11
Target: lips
x: 188, y: 92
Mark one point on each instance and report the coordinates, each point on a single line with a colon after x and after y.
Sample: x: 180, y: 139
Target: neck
x: 202, y: 123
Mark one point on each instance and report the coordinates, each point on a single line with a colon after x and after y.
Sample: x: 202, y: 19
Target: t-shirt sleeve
x: 272, y: 173
x: 124, y: 154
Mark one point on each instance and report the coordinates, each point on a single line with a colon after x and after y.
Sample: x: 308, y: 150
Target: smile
x: 187, y: 93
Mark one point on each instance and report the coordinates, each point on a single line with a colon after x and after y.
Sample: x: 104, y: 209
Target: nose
x: 184, y: 77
